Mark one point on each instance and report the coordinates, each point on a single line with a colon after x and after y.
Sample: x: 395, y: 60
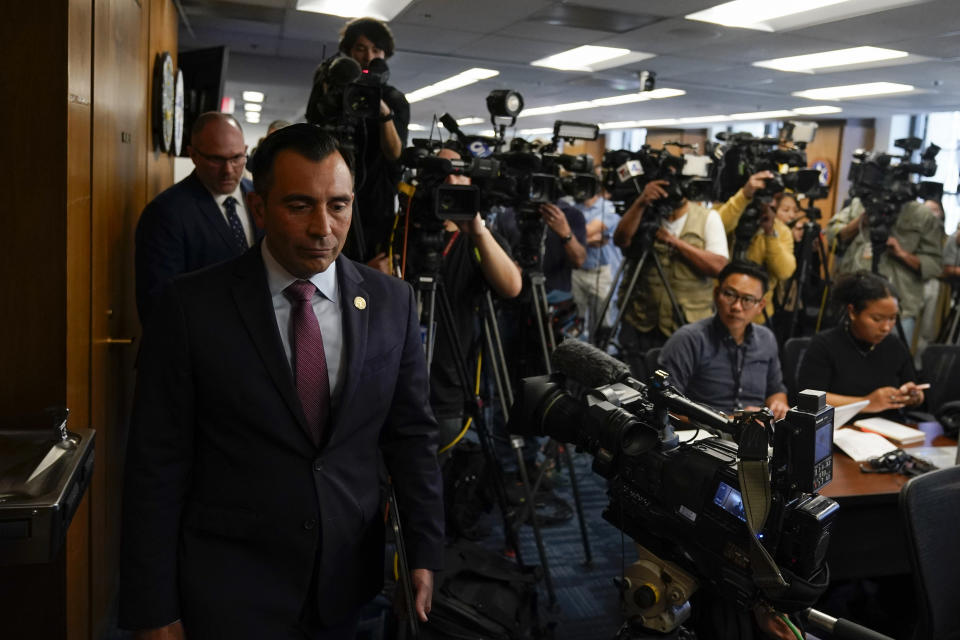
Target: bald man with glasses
x: 726, y: 361
x: 201, y: 220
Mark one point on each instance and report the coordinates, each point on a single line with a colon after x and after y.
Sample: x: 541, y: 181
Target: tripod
x: 636, y: 267
x: 950, y: 331
x: 430, y: 290
x: 799, y: 280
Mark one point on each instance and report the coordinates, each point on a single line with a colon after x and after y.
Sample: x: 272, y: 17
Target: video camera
x: 884, y: 182
x: 522, y: 177
x: 626, y: 173
x: 696, y: 509
x: 344, y: 94
x: 743, y: 155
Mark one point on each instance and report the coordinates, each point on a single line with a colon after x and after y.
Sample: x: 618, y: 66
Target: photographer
x: 472, y: 256
x: 378, y: 141
x: 692, y: 248
x: 913, y: 252
x: 772, y: 245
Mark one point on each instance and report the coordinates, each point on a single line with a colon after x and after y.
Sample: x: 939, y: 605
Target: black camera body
x: 344, y: 94
x: 884, y: 183
x: 684, y: 502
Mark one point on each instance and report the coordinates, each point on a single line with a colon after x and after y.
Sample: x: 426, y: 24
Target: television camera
x: 741, y: 155
x: 884, y: 183
x: 717, y: 521
x: 523, y: 176
x: 344, y: 94
x: 626, y: 173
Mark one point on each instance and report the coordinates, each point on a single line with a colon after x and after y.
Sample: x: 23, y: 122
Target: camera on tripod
x: 884, y: 182
x: 684, y: 503
x: 743, y: 155
x: 344, y: 94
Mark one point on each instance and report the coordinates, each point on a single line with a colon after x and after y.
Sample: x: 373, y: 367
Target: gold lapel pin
x: 360, y: 303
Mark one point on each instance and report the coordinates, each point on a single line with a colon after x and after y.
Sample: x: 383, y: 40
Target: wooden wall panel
x: 826, y: 148
x: 594, y: 148
x: 657, y: 137
x: 857, y: 134
x: 162, y: 37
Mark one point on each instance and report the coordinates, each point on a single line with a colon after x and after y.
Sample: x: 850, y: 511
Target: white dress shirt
x: 326, y: 306
x: 241, y: 211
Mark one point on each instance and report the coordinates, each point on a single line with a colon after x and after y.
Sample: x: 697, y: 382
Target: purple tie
x: 309, y: 359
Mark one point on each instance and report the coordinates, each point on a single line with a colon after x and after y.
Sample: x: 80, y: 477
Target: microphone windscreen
x: 343, y: 70
x: 588, y: 365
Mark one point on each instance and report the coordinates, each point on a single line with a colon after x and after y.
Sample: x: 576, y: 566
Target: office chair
x: 929, y: 504
x: 793, y: 351
x: 941, y: 368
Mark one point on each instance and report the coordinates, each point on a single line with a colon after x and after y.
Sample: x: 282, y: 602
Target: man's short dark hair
x: 206, y: 118
x: 372, y: 29
x: 309, y: 140
x: 747, y: 268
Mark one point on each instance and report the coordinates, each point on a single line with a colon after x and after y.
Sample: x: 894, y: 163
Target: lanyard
x: 453, y: 238
x: 738, y: 355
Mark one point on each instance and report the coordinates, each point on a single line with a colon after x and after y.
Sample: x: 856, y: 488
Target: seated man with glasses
x: 726, y: 361
x: 201, y: 220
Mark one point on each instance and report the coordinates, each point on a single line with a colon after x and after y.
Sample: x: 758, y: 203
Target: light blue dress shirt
x: 326, y: 306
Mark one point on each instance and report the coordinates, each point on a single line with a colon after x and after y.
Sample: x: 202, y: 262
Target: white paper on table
x: 860, y: 445
x: 844, y: 413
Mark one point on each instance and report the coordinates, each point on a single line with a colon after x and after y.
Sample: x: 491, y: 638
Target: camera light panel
x: 696, y: 166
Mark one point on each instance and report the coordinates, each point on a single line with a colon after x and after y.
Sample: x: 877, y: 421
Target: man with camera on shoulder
x: 378, y: 137
x: 912, y: 254
x: 691, y: 247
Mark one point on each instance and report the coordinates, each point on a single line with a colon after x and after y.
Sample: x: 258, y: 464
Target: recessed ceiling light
x: 591, y: 58
x: 699, y: 119
x: 250, y: 107
x: 536, y: 132
x: 843, y: 92
x: 416, y: 127
x: 764, y: 15
x: 642, y: 96
x: 449, y: 84
x: 827, y: 59
x: 385, y: 10
x: 253, y: 96
x: 761, y: 115
x: 252, y: 118
x: 733, y: 117
x: 463, y: 122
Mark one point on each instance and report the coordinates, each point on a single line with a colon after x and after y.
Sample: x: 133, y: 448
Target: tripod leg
x: 677, y: 311
x: 542, y: 317
x: 608, y: 299
x: 624, y: 300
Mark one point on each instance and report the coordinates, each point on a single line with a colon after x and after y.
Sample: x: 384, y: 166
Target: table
x: 868, y: 537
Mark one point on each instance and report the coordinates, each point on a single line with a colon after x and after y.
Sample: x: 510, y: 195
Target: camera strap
x: 753, y: 474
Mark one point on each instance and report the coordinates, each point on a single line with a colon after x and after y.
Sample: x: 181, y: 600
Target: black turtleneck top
x: 837, y: 362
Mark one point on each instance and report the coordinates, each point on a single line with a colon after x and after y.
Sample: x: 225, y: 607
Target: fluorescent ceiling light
x: 591, y: 58
x: 468, y: 121
x: 488, y: 133
x: 764, y: 15
x: 699, y: 119
x: 252, y: 117
x: 385, y: 10
x: 416, y: 127
x: 251, y: 107
x: 761, y: 115
x: 854, y: 91
x: 634, y: 124
x: 536, y: 132
x: 827, y: 59
x: 642, y: 96
x: 816, y: 111
x: 253, y: 96
x: 454, y: 82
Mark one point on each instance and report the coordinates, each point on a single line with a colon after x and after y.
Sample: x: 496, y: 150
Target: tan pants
x: 590, y: 288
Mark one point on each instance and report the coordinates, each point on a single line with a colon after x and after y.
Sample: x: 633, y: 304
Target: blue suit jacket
x: 179, y: 231
x: 229, y: 508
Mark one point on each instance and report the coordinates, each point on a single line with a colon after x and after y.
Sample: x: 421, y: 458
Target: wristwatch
x: 387, y: 118
x: 566, y: 238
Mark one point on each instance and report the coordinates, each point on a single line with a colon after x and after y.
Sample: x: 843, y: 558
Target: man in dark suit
x: 269, y: 387
x: 201, y: 220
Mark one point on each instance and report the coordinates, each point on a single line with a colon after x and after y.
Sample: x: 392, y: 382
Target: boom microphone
x: 588, y: 365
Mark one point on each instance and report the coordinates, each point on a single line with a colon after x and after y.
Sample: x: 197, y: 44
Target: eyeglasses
x: 731, y: 296
x: 235, y: 161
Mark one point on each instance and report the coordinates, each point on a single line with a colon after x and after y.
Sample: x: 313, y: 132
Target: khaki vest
x: 650, y: 306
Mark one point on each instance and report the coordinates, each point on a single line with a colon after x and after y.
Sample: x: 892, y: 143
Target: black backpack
x: 481, y: 595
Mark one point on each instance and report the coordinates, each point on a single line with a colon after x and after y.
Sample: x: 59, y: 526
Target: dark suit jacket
x: 229, y: 509
x: 179, y: 231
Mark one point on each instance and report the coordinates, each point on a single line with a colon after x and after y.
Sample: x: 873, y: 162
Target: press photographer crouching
x: 886, y: 230
x: 351, y: 98
x: 726, y: 361
x: 689, y: 242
